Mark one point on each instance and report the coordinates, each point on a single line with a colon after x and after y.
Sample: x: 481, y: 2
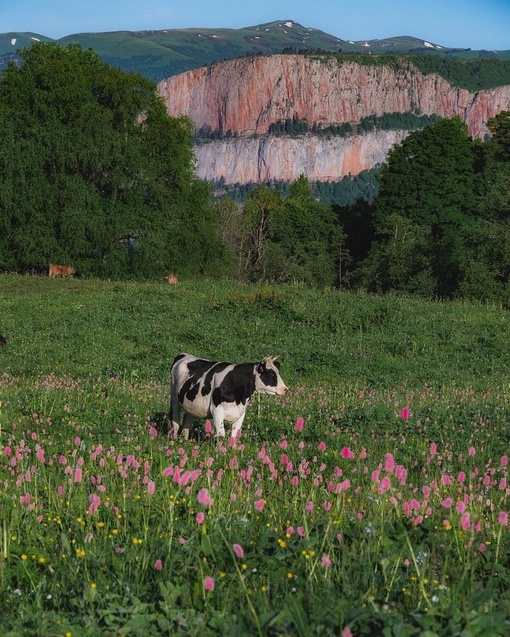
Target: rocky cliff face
x: 247, y: 95
x: 268, y: 158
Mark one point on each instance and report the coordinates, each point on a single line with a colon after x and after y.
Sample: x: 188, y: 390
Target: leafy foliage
x: 94, y: 172
x: 427, y: 196
x: 304, y: 240
x: 472, y: 74
x: 296, y: 126
x: 464, y: 69
x: 345, y: 192
x: 434, y: 224
x: 294, y: 239
x: 500, y: 140
x: 429, y: 177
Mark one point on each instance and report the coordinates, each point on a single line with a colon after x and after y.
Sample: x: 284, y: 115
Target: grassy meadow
x: 373, y: 499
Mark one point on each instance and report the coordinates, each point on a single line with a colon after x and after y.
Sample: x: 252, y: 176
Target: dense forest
x: 94, y: 173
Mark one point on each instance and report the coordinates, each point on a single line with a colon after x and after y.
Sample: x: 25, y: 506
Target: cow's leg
x: 236, y: 426
x: 218, y: 416
x: 175, y: 414
x: 186, y: 425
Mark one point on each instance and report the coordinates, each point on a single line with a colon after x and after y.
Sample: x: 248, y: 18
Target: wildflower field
x: 373, y: 499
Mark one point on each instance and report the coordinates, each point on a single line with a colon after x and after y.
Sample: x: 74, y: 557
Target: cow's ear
x: 261, y: 367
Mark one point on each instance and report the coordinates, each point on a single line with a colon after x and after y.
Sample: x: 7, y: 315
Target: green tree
x: 357, y: 226
x: 499, y: 127
x: 495, y: 201
x: 429, y: 177
x: 428, y: 187
x: 401, y: 262
x: 485, y: 262
x: 258, y: 210
x: 231, y: 230
x: 304, y: 240
x: 94, y: 172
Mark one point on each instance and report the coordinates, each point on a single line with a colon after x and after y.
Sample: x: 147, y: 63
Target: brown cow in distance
x: 172, y: 279
x: 3, y: 341
x: 60, y: 270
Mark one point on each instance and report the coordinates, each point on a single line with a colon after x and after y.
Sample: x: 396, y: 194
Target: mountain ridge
x: 161, y: 53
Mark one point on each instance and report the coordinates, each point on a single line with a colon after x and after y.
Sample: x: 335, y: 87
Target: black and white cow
x: 221, y: 391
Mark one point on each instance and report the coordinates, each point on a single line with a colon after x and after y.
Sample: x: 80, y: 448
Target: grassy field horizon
x: 113, y: 328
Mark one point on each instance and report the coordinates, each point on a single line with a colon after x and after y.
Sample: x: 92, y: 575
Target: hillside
x: 162, y: 53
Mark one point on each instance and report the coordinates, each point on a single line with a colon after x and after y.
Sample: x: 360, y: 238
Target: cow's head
x: 268, y: 379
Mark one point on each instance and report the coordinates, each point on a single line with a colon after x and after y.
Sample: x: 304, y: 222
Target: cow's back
x: 196, y: 382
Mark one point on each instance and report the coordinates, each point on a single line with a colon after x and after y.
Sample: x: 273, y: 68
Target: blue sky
x: 480, y: 24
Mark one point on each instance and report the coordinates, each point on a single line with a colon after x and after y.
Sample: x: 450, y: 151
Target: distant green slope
x: 11, y: 42
x: 160, y: 54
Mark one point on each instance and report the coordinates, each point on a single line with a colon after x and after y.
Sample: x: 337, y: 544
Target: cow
x: 3, y: 341
x: 60, y: 270
x: 221, y: 391
x: 172, y: 279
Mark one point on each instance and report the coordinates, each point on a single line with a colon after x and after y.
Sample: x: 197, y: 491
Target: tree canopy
x: 93, y: 171
x: 427, y: 193
x: 291, y: 239
x: 438, y: 224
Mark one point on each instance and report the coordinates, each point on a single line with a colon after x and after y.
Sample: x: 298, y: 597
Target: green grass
x: 91, y: 328
x: 385, y: 513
